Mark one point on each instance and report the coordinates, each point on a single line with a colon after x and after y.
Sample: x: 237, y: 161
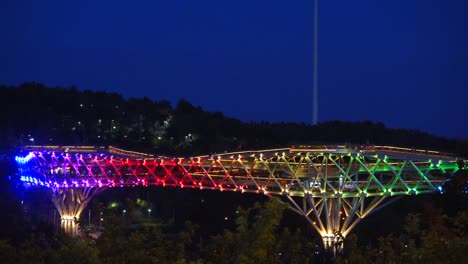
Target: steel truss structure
x: 333, y: 187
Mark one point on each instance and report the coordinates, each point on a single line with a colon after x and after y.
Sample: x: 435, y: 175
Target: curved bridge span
x: 333, y: 187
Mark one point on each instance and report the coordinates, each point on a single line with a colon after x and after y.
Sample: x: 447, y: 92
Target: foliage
x: 67, y: 116
x: 257, y: 239
x: 40, y: 248
x: 435, y: 238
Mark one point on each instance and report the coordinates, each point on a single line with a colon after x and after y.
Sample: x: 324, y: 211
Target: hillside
x: 32, y: 113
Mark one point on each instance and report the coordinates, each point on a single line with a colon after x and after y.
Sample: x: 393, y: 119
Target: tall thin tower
x: 315, y: 74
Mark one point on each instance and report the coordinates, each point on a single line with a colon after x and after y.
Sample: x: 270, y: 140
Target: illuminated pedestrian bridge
x: 333, y: 187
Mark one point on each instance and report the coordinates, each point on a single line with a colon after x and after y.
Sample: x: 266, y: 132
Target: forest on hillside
x: 32, y: 113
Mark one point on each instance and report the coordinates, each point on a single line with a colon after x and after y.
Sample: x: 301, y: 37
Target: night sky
x: 400, y: 62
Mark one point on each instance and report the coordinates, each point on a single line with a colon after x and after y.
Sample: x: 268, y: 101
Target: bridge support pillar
x: 69, y: 225
x: 333, y: 243
x: 334, y: 216
x: 70, y: 203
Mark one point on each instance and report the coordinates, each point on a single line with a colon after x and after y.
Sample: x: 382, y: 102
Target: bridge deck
x: 321, y: 171
x: 389, y: 151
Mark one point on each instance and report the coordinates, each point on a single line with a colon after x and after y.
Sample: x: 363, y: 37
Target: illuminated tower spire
x: 315, y: 74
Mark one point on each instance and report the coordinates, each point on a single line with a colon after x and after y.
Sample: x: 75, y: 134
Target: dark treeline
x: 35, y: 114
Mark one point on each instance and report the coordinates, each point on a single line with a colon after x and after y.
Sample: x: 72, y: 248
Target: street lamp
x: 149, y: 213
x: 100, y: 220
x: 123, y: 212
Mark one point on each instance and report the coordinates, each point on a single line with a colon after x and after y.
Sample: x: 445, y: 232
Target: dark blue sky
x: 401, y: 62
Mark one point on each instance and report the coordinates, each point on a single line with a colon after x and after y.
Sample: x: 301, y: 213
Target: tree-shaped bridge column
x: 70, y: 203
x: 335, y: 217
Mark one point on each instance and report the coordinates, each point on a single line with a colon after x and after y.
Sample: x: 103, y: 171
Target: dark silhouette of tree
x: 34, y: 113
x: 434, y: 238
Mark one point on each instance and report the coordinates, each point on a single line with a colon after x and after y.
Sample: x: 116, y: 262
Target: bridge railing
x: 118, y: 151
x: 372, y: 149
x: 378, y: 149
x: 86, y: 149
x: 414, y: 151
